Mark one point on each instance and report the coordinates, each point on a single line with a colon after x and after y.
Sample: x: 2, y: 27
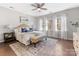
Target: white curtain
x: 63, y: 23
x: 46, y: 24
x: 63, y: 26
x: 55, y: 23
x: 40, y: 24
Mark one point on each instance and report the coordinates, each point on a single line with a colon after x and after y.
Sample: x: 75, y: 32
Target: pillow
x: 24, y: 30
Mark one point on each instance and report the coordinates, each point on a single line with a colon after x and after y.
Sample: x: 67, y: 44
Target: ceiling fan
x: 39, y: 6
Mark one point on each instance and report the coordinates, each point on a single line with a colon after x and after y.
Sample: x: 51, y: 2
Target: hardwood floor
x: 66, y: 45
x: 5, y: 50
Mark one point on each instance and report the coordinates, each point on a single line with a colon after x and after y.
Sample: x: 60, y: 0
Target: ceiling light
x: 38, y: 9
x: 10, y: 7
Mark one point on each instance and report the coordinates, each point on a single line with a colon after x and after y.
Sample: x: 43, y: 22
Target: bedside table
x: 9, y: 36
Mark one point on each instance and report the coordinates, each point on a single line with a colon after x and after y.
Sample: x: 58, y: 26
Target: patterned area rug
x: 45, y: 48
x: 42, y: 49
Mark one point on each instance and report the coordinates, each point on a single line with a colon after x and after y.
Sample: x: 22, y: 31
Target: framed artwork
x: 23, y: 20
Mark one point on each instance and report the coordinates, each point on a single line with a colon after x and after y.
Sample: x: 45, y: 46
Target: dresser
x: 76, y: 42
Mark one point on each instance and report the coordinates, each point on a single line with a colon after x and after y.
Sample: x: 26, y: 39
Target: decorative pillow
x: 24, y: 30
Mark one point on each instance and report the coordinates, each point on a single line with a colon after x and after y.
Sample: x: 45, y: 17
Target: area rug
x: 50, y: 47
x: 42, y: 49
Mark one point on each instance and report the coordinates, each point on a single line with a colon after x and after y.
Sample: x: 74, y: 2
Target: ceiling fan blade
x: 34, y: 9
x: 43, y: 8
x: 38, y: 5
x: 42, y: 4
x: 34, y: 5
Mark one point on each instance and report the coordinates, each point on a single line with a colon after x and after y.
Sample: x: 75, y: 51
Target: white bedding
x: 25, y: 37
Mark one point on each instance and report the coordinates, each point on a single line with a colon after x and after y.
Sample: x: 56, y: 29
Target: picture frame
x: 23, y: 19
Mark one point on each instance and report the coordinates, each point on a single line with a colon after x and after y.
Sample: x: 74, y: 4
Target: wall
x: 72, y: 15
x: 11, y: 18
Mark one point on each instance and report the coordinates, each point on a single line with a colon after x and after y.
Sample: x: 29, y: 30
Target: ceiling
x: 26, y: 8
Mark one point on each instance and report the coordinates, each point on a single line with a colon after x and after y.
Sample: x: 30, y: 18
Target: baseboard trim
x: 58, y: 38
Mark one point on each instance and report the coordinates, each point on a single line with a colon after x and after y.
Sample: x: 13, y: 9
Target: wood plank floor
x: 5, y: 50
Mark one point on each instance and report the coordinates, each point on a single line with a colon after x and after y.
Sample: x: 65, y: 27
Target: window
x: 43, y: 24
x: 60, y: 23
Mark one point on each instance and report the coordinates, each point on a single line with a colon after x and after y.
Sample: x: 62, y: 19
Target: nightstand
x: 9, y: 36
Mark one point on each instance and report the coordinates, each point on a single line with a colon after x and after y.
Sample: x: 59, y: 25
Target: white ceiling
x: 26, y: 8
